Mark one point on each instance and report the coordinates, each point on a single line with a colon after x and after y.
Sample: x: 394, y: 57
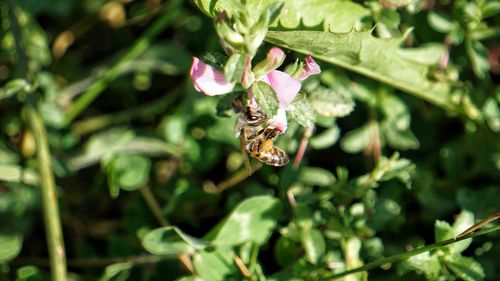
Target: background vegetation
x: 149, y: 178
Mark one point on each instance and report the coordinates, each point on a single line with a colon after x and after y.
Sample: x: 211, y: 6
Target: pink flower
x: 311, y: 68
x: 279, y: 120
x: 209, y: 80
x: 285, y: 86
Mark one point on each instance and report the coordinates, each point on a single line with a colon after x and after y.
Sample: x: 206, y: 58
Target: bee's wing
x: 244, y: 153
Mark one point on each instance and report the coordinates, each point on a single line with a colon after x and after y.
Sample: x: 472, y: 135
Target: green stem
x: 406, y: 255
x: 52, y: 219
x: 51, y: 216
x: 98, y: 122
x: 135, y: 51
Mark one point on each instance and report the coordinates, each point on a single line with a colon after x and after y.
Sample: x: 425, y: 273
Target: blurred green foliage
x: 151, y: 185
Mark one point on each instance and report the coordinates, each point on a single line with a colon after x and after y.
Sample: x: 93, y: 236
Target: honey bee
x: 256, y: 137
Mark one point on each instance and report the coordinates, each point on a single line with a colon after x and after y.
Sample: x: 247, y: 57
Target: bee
x: 256, y: 137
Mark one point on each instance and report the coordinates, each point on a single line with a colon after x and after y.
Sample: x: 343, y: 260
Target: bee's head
x: 254, y: 115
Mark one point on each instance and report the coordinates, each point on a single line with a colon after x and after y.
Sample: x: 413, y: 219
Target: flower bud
x: 274, y: 59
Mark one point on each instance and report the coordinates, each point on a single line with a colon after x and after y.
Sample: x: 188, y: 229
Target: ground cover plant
x: 375, y: 153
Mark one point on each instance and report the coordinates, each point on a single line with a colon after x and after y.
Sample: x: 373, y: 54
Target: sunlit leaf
x: 252, y: 220
x: 466, y: 268
x: 376, y: 58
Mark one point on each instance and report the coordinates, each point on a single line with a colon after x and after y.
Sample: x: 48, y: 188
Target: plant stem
x: 51, y: 215
x: 90, y: 262
x: 157, y: 106
x: 406, y: 255
x: 50, y: 206
x: 136, y: 50
x: 153, y: 205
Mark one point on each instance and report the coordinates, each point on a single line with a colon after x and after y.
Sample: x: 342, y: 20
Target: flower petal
x: 209, y: 80
x: 279, y: 121
x: 275, y: 57
x: 285, y: 86
x: 310, y: 68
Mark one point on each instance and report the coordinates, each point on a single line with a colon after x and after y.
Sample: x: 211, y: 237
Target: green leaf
x: 440, y: 22
x: 265, y: 97
x: 335, y: 15
x: 314, y: 244
x: 216, y: 265
x: 443, y: 231
x: 14, y: 87
x: 466, y: 268
x: 129, y: 172
x: 426, y: 263
x: 376, y: 58
x: 15, y: 173
x: 171, y: 241
x: 427, y: 54
x: 11, y: 246
x: 478, y: 55
x: 331, y: 103
x: 399, y: 139
x: 235, y: 67
x: 316, y: 176
x: 116, y: 272
x: 326, y: 138
x: 286, y: 251
x: 357, y: 139
x: 490, y: 8
x: 302, y: 111
x: 252, y: 220
x: 119, y: 141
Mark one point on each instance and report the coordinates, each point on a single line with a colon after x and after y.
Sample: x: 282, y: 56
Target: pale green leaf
x: 316, y: 176
x: 331, y: 103
x: 326, y: 138
x: 380, y: 59
x: 440, y: 22
x: 478, y: 55
x: 428, y: 54
x: 129, y: 172
x: 314, y: 244
x: 425, y: 263
x: 171, y: 241
x: 116, y: 272
x: 356, y: 140
x: 252, y: 220
x: 490, y: 8
x: 215, y: 265
x: 15, y: 173
x: 334, y: 15
x: 302, y: 111
x: 14, y: 87
x: 11, y: 245
x: 466, y: 268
